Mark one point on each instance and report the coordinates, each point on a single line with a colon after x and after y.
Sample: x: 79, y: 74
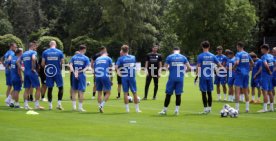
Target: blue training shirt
x: 102, y: 66
x: 269, y: 59
x: 176, y: 64
x: 230, y: 64
x: 14, y: 69
x: 127, y: 66
x: 26, y: 58
x: 8, y: 54
x: 244, y: 62
x: 256, y: 67
x: 80, y: 62
x: 207, y: 62
x: 53, y: 56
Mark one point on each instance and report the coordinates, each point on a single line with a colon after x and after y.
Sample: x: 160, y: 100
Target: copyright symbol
x: 50, y: 70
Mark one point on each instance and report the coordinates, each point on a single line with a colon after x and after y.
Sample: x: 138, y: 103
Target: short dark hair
x: 12, y: 44
x: 19, y: 50
x: 102, y: 48
x: 253, y: 55
x: 125, y: 48
x: 265, y: 46
x: 82, y: 47
x: 229, y: 52
x: 205, y: 44
x: 240, y: 44
x: 176, y: 48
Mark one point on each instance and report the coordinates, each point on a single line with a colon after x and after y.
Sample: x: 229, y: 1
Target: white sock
x: 238, y: 106
x: 127, y: 107
x: 247, y: 106
x: 9, y: 97
x: 74, y: 104
x: 102, y: 104
x: 26, y: 103
x: 224, y: 96
x: 137, y: 107
x: 59, y: 103
x: 253, y: 97
x: 165, y: 109
x: 242, y: 97
x: 50, y: 104
x: 272, y: 106
x: 218, y: 96
x: 205, y: 109
x: 80, y: 105
x: 37, y: 103
x: 265, y: 107
x: 177, y: 108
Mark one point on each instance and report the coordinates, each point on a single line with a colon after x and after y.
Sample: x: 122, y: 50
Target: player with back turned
x: 176, y: 64
x: 205, y: 65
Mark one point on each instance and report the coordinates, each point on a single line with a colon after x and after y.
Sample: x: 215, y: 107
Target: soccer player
x: 7, y: 62
x: 242, y: 67
x: 102, y: 49
x: 31, y: 79
x: 52, y: 60
x: 79, y: 63
x: 127, y: 64
x: 103, y: 70
x: 152, y: 65
x: 221, y: 80
x: 205, y: 65
x: 42, y: 76
x: 119, y: 82
x: 231, y: 74
x: 16, y: 76
x: 256, y: 77
x: 176, y: 64
x: 268, y: 64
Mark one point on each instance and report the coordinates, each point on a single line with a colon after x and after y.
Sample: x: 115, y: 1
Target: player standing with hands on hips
x: 176, y: 64
x: 52, y: 60
x: 153, y: 65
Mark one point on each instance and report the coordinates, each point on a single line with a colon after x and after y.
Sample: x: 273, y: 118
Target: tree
x: 6, y: 40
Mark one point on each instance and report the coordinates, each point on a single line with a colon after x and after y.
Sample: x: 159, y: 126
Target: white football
x: 130, y: 99
x: 224, y: 113
x: 226, y: 106
x: 233, y: 113
x: 88, y: 83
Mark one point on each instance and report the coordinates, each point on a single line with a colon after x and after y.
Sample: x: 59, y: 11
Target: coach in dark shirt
x: 153, y: 63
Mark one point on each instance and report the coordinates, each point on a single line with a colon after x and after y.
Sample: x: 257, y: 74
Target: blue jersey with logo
x: 222, y: 58
x: 53, y: 56
x: 176, y: 64
x: 26, y: 58
x: 256, y: 67
x: 207, y: 61
x: 14, y: 69
x: 80, y: 62
x: 7, y: 62
x: 244, y: 62
x: 230, y: 64
x: 102, y: 66
x: 127, y: 65
x: 269, y: 59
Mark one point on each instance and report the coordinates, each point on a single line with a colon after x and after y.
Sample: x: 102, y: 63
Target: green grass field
x: 115, y: 124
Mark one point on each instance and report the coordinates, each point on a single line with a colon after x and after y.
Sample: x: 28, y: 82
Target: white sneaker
x: 262, y: 111
x: 163, y: 112
x: 127, y: 110
x: 8, y: 101
x: 101, y: 109
x: 82, y: 110
x: 93, y: 97
x: 74, y: 108
x: 44, y: 100
x: 59, y: 107
x: 176, y: 113
x: 138, y: 111
x: 50, y: 107
x: 28, y: 108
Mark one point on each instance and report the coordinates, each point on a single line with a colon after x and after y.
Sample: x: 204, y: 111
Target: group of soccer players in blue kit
x: 232, y: 70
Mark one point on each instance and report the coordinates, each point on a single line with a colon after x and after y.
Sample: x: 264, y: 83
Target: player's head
x: 274, y: 51
x: 19, y: 52
x: 13, y: 46
x: 240, y: 46
x: 264, y: 48
x: 229, y: 53
x: 253, y: 56
x: 125, y: 49
x: 121, y: 53
x: 176, y: 50
x: 82, y: 49
x: 53, y: 44
x: 32, y: 46
x: 102, y: 49
x: 155, y: 48
x: 219, y: 49
x: 205, y: 45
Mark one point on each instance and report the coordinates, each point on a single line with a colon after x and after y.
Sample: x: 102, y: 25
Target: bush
x: 34, y: 36
x: 92, y: 45
x: 43, y: 42
x: 6, y: 40
x: 5, y: 27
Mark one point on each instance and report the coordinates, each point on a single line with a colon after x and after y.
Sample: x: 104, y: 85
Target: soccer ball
x: 224, y: 113
x: 88, y: 83
x: 139, y: 99
x: 226, y: 106
x: 233, y: 113
x: 130, y: 99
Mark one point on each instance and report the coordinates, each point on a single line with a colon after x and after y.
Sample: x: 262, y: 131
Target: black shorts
x: 119, y: 79
x: 42, y: 76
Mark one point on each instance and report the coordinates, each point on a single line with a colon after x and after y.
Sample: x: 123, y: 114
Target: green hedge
x: 6, y: 40
x: 43, y: 42
x: 91, y: 44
